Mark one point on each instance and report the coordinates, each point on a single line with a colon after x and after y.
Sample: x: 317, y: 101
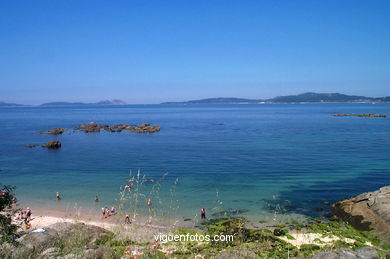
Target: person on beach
x: 203, y: 213
x: 14, y: 201
x: 103, y: 212
x: 96, y: 198
x: 58, y: 197
x: 27, y: 223
x: 28, y: 213
x: 107, y: 212
x: 113, y: 210
x: 127, y: 219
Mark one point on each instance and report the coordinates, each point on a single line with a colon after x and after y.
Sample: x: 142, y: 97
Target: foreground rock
x: 140, y: 128
x: 361, y: 115
x: 343, y: 253
x: 367, y: 211
x: 62, y: 239
x: 55, y: 131
x: 52, y: 144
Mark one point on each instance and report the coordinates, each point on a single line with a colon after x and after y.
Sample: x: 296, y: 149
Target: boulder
x: 343, y: 253
x: 47, y: 243
x: 367, y: 211
x: 52, y: 144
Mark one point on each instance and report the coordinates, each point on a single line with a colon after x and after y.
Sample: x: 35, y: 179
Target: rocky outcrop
x: 367, y: 211
x: 237, y: 254
x: 371, y: 115
x: 52, y: 144
x: 47, y: 242
x: 89, y: 127
x: 55, y: 131
x: 343, y: 253
x: 140, y: 128
x: 146, y: 128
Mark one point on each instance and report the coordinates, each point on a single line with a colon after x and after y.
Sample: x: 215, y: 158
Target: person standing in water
x: 96, y: 198
x: 203, y: 213
x: 58, y: 197
x: 149, y: 202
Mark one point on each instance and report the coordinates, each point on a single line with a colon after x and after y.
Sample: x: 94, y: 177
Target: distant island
x: 4, y: 104
x: 300, y: 98
x: 105, y: 102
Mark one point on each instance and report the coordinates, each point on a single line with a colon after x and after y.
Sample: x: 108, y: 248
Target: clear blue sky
x: 152, y: 51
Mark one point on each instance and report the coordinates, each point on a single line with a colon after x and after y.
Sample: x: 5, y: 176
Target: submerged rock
x: 52, y: 144
x: 367, y: 211
x: 31, y: 145
x: 229, y: 213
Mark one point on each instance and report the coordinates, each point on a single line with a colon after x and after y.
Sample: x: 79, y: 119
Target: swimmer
x: 149, y: 202
x: 96, y: 198
x: 58, y: 197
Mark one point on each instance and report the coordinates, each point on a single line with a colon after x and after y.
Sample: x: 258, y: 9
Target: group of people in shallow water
x: 25, y: 215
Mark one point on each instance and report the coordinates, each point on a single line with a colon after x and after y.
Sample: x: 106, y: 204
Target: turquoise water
x: 256, y: 158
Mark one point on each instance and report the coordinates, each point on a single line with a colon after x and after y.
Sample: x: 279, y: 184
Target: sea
x: 256, y: 161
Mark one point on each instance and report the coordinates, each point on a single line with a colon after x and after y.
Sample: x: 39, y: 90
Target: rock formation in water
x: 52, y: 144
x: 371, y: 115
x: 367, y: 211
x: 140, y: 128
x: 55, y: 131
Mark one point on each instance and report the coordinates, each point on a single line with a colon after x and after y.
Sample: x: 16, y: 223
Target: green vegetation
x: 7, y: 230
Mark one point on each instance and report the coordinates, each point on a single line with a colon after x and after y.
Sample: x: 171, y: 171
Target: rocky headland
x: 367, y: 211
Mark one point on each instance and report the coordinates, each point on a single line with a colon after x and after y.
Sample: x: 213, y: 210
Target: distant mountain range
x: 300, y: 98
x: 50, y: 104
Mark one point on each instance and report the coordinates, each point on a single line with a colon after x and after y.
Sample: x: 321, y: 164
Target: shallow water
x: 261, y: 159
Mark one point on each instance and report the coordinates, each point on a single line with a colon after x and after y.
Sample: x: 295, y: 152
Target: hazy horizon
x: 152, y: 52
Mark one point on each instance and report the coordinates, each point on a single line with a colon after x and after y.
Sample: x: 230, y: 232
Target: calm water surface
x: 255, y: 158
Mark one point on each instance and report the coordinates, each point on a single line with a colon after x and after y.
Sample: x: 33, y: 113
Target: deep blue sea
x: 260, y: 159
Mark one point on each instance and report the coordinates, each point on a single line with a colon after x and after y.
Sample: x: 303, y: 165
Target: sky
x: 156, y: 51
